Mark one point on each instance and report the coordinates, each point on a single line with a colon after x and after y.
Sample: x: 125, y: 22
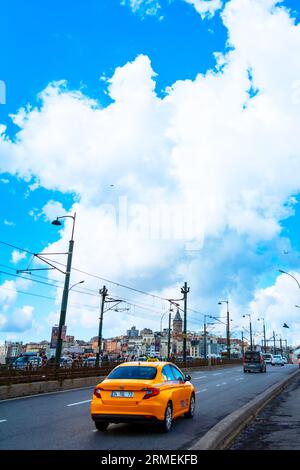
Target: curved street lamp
x: 289, y: 274
x: 251, y: 340
x: 264, y: 330
x: 80, y: 282
x: 64, y: 301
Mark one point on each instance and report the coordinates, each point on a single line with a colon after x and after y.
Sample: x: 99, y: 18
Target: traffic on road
x: 67, y: 415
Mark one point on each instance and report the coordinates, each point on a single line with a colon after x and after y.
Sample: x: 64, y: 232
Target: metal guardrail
x: 9, y: 375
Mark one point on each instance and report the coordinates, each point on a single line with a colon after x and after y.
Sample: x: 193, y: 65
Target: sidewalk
x: 277, y: 426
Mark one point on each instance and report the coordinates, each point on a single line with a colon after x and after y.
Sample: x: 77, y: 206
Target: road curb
x: 221, y: 435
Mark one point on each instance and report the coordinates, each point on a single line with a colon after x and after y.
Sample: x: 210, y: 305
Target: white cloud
x: 209, y: 144
x: 206, y: 8
x: 17, y: 256
x: 9, y: 223
x: 8, y: 292
x: 53, y: 209
x: 277, y: 305
x: 143, y: 7
x: 19, y: 320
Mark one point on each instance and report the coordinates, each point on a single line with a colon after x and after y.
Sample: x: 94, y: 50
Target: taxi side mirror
x: 187, y: 378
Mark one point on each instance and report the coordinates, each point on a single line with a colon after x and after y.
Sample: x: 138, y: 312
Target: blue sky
x: 83, y: 44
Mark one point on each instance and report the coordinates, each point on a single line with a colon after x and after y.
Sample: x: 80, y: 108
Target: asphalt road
x: 62, y: 420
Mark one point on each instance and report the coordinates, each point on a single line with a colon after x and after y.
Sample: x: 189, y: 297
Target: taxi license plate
x: 121, y: 394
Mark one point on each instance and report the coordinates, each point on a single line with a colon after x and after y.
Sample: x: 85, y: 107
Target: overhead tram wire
x: 104, y: 279
x: 84, y: 272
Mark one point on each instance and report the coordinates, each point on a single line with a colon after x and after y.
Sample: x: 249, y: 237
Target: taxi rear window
x: 133, y: 372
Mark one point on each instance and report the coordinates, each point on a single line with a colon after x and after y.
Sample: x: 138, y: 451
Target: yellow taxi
x: 151, y: 392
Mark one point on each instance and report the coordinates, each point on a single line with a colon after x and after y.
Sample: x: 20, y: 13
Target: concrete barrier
x: 221, y: 435
x: 35, y: 388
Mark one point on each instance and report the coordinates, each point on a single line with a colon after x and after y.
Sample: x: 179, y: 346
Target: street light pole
x: 161, y: 319
x: 184, y: 290
x: 205, y: 338
x: 64, y: 302
x: 227, y: 327
x: 169, y: 332
x: 289, y: 274
x: 103, y: 292
x: 250, y: 330
x: 264, y: 331
x: 80, y: 282
x: 242, y: 343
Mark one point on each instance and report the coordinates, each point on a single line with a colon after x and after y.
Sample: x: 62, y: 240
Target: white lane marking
x: 218, y: 385
x: 49, y: 393
x: 95, y: 430
x: 224, y: 383
x: 218, y: 373
x: 200, y: 391
x: 79, y: 403
x: 3, y: 420
x: 198, y: 378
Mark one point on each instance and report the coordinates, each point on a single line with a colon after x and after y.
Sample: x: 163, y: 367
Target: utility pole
x: 265, y: 344
x: 205, y: 338
x: 103, y: 292
x: 227, y: 327
x: 185, y: 290
x: 251, y: 340
x: 274, y: 342
x: 228, y: 332
x: 243, y: 343
x: 281, y: 351
x: 169, y: 332
x: 64, y: 302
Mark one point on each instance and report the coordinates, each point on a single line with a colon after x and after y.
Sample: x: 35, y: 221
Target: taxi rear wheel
x: 190, y: 413
x: 101, y: 426
x: 166, y: 424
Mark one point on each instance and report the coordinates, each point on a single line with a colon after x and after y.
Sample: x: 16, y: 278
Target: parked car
x: 150, y: 392
x: 27, y: 362
x: 89, y: 362
x: 141, y: 359
x: 254, y: 361
x: 66, y: 361
x: 268, y: 358
x: 285, y: 359
x: 277, y: 360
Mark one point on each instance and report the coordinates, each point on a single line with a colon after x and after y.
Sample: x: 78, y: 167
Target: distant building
x: 146, y: 332
x: 133, y: 332
x: 177, y: 323
x: 12, y: 350
x: 34, y: 347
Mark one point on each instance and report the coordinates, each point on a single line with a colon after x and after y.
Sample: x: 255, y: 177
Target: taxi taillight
x: 97, y: 392
x: 150, y: 392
